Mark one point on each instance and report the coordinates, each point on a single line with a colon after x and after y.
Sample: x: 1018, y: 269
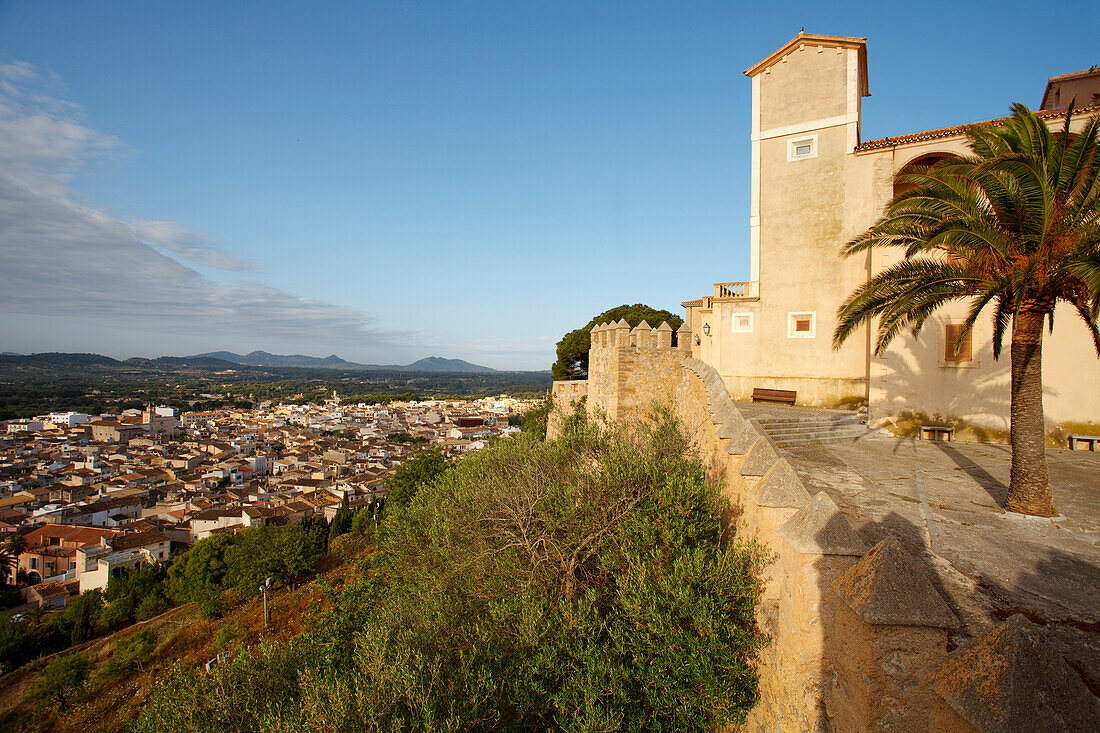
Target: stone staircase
x: 812, y: 428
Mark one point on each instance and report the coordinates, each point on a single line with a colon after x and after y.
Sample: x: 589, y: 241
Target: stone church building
x: 816, y: 184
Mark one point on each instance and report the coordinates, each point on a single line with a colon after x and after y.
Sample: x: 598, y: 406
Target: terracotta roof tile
x: 943, y: 132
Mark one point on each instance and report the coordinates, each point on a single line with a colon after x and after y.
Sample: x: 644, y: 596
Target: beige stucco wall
x: 810, y: 82
x: 913, y: 376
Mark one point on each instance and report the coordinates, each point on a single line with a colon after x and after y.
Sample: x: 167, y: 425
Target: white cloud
x: 62, y: 257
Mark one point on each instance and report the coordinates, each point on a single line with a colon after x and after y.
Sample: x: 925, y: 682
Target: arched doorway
x: 923, y: 161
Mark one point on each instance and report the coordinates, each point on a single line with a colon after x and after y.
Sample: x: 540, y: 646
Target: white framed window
x: 741, y: 322
x: 801, y: 324
x: 802, y: 147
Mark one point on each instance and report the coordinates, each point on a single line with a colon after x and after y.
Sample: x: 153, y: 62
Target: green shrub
x: 62, y: 680
x: 224, y: 636
x: 150, y: 606
x: 574, y: 585
x: 136, y: 649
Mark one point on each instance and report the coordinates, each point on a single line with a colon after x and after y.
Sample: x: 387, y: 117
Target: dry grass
x: 183, y: 638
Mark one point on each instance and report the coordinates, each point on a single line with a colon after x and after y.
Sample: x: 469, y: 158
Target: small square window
x: 742, y: 322
x: 801, y: 325
x: 800, y: 148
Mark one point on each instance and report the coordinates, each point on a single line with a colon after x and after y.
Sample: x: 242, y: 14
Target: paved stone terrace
x: 943, y: 500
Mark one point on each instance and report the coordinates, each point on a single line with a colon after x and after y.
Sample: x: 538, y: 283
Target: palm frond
x: 1088, y: 315
x: 902, y: 296
x: 1002, y: 319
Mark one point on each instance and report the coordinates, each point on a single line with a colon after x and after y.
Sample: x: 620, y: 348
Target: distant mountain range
x: 263, y: 358
x: 216, y: 360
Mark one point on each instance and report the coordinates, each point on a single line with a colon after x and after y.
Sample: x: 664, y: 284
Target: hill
x: 115, y: 696
x: 439, y: 364
x: 263, y: 358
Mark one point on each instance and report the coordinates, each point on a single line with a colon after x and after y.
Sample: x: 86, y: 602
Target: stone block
x: 888, y: 586
x: 820, y: 529
x: 740, y: 443
x: 1009, y: 681
x: 760, y: 457
x: 728, y: 430
x: 891, y: 623
x: 780, y: 487
x: 723, y: 412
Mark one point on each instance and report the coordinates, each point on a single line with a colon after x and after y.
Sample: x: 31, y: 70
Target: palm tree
x: 1014, y: 226
x: 16, y: 544
x: 8, y: 562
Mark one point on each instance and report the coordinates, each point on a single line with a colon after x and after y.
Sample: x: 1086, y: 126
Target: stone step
x: 770, y: 422
x: 787, y: 427
x: 824, y: 440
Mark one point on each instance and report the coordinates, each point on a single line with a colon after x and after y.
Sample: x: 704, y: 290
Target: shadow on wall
x: 974, y: 400
x: 973, y: 396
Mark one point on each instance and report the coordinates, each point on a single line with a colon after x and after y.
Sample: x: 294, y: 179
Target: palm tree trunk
x: 1029, y: 486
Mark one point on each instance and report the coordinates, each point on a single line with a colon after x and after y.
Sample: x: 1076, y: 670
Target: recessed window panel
x: 801, y: 324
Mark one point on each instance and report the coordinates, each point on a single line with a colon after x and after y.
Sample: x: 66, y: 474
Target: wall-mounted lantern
x: 706, y: 329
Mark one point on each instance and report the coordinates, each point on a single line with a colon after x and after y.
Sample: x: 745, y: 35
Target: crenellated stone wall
x: 628, y: 367
x: 859, y: 635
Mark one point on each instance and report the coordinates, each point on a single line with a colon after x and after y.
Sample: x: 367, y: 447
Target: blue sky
x: 386, y: 181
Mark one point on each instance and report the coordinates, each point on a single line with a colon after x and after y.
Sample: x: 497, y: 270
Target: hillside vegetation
x: 581, y: 584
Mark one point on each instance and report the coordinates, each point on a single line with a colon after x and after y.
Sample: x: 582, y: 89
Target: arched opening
x: 922, y: 161
x: 34, y: 578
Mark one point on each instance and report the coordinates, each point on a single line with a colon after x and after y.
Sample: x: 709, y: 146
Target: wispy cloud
x: 187, y: 244
x: 62, y: 256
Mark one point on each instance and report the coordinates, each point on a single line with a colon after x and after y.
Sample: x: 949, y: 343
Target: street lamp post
x: 263, y: 592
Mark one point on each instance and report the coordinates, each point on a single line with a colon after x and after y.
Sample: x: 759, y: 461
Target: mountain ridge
x: 332, y: 361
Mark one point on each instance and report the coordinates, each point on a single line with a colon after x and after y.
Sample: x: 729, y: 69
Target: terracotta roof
x: 693, y: 303
x: 138, y: 539
x: 955, y: 130
x: 1076, y: 75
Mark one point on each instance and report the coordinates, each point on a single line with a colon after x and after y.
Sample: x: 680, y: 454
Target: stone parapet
x: 859, y: 635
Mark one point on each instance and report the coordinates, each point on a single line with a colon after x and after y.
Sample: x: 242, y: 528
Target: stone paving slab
x: 943, y: 501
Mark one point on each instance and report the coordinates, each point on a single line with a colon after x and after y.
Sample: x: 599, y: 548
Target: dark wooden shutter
x: 961, y: 351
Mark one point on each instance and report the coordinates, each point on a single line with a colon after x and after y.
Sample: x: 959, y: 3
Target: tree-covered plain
x: 92, y: 384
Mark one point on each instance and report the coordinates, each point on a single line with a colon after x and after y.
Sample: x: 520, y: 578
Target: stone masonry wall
x: 859, y: 635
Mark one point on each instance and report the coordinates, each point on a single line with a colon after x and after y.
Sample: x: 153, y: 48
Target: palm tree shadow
x: 994, y: 487
x: 913, y: 377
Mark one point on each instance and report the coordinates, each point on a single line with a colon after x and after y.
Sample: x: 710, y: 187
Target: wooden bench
x: 1089, y: 440
x: 778, y: 396
x: 936, y: 432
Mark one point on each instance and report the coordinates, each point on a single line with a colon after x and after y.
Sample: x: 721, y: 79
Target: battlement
x: 643, y: 336
x: 630, y: 367
x: 860, y: 634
